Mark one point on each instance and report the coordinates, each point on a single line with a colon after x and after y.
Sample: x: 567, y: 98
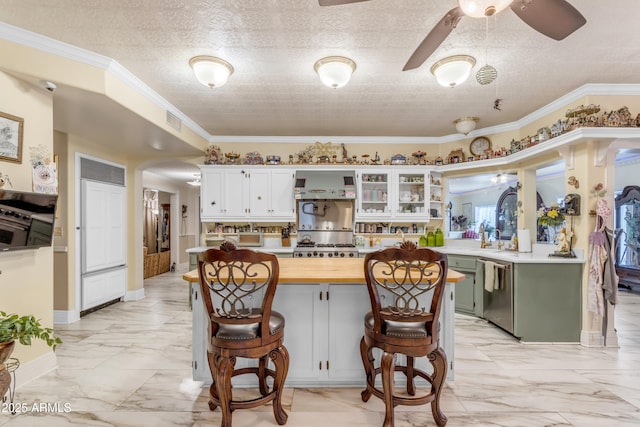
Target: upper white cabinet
x: 436, y: 210
x: 271, y: 194
x: 394, y: 194
x: 240, y: 193
x: 374, y: 193
x: 222, y: 193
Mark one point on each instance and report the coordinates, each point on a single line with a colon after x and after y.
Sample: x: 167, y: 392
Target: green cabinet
x: 547, y: 302
x: 468, y: 293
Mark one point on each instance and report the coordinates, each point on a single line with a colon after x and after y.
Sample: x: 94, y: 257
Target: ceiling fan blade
x: 434, y: 39
x: 553, y: 18
x: 337, y: 2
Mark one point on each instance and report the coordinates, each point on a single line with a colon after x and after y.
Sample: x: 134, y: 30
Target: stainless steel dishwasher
x: 498, y: 304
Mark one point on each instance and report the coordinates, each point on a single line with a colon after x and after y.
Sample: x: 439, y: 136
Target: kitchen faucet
x: 498, y: 234
x: 483, y: 241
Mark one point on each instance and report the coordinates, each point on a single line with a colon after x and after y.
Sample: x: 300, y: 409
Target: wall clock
x: 480, y: 146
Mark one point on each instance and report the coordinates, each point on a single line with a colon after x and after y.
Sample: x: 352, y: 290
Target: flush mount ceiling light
x: 196, y: 180
x: 453, y: 70
x: 501, y: 178
x: 211, y: 71
x: 466, y: 124
x: 335, y: 71
x: 482, y: 8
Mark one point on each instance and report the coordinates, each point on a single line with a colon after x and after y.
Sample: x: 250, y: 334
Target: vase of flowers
x: 551, y: 217
x: 459, y: 222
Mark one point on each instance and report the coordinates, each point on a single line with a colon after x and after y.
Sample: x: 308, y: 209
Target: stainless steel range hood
x: 339, y: 184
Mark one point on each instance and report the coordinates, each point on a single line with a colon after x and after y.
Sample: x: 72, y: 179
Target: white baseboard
x: 136, y: 295
x: 35, y: 368
x: 591, y: 338
x: 65, y: 317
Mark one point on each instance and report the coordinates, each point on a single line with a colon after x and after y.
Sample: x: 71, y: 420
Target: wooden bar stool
x: 237, y: 288
x: 399, y: 280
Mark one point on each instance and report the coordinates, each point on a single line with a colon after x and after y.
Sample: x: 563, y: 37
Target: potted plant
x: 23, y: 329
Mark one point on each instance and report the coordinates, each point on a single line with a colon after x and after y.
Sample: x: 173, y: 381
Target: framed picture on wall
x: 11, y: 128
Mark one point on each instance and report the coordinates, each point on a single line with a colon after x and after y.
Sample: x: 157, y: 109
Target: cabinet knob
x: 259, y: 197
x: 213, y: 203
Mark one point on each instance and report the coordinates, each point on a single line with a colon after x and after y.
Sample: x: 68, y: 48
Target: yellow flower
x: 553, y: 213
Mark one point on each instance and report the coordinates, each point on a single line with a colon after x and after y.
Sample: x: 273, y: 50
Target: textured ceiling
x: 273, y: 45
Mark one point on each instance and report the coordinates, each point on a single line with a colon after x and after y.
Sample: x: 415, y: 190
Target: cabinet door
x: 211, y: 200
x: 234, y: 194
x: 412, y: 195
x: 303, y: 334
x: 465, y: 293
x: 348, y: 305
x: 282, y: 202
x: 374, y: 196
x: 260, y: 188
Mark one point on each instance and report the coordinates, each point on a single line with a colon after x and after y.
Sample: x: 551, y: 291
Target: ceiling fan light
x: 335, y: 71
x: 465, y: 125
x: 486, y: 75
x: 483, y: 8
x: 453, y: 70
x: 211, y: 71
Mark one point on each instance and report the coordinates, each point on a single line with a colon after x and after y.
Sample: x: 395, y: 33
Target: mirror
x: 507, y: 214
x: 550, y: 185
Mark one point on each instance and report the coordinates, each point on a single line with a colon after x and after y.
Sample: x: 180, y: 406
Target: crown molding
x: 54, y: 47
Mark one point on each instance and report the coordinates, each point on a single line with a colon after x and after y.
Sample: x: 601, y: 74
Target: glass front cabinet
x: 385, y: 194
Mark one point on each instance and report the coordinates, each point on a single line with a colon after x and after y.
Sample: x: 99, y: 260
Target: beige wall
x: 26, y: 277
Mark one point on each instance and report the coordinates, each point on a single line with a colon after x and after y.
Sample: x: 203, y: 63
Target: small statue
x: 564, y: 240
x: 345, y: 156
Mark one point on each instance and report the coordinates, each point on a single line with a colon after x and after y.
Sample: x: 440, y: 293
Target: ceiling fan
x: 553, y: 18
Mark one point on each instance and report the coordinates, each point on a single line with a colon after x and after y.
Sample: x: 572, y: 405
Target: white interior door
x: 104, y: 226
x: 104, y: 236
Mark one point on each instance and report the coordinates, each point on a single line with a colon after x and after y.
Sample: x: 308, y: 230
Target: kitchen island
x: 324, y: 302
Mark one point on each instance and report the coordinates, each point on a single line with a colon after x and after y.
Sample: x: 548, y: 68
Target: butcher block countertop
x: 322, y: 270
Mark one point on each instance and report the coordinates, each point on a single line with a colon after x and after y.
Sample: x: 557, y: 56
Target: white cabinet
x: 373, y: 195
x: 239, y: 193
x: 271, y: 194
x: 324, y: 324
x: 436, y: 210
x: 401, y: 194
x: 412, y: 195
x: 222, y: 193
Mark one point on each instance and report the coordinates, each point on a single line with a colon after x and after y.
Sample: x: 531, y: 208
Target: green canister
x: 422, y: 241
x: 431, y: 239
x: 439, y: 237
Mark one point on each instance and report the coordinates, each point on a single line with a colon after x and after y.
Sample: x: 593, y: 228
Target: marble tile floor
x: 129, y: 365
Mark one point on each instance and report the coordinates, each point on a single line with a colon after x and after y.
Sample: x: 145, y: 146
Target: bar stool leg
x: 367, y: 362
x: 387, y: 368
x: 224, y: 371
x: 262, y: 376
x: 280, y: 358
x: 411, y: 384
x: 438, y: 360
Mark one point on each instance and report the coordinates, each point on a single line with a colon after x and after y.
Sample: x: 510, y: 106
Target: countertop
x: 540, y: 254
x: 322, y: 270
